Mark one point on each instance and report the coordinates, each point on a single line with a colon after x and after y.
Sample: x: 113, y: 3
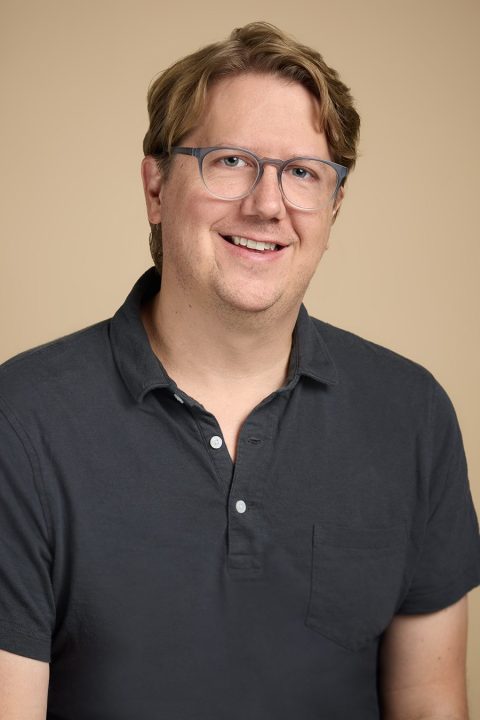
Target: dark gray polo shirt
x: 163, y: 582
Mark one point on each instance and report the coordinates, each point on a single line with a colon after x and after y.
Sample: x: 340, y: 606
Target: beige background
x: 404, y: 260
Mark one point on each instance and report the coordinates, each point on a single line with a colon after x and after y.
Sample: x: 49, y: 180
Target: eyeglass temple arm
x: 186, y: 151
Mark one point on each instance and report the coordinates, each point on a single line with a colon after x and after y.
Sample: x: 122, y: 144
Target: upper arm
x: 27, y: 598
x: 422, y: 666
x: 23, y: 687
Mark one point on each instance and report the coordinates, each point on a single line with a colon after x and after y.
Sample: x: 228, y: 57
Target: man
x: 212, y: 505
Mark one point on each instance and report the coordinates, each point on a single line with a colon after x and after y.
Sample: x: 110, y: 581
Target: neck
x: 218, y: 346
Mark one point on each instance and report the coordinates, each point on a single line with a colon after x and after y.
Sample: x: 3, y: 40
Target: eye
x: 300, y: 173
x: 232, y: 161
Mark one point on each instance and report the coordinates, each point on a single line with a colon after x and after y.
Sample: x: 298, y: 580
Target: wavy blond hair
x: 177, y: 97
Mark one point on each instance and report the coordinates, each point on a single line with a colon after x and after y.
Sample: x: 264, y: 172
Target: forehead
x: 265, y: 113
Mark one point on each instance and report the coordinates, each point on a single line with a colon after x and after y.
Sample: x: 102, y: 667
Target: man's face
x: 274, y: 118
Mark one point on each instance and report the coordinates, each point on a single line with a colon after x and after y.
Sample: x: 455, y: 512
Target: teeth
x: 253, y: 244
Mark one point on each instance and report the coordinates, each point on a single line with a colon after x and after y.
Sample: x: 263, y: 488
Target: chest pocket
x: 356, y: 578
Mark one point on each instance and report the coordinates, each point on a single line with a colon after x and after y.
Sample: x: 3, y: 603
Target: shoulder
x: 372, y: 372
x: 52, y: 369
x: 356, y: 355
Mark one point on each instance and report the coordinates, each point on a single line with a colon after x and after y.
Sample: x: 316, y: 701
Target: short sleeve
x: 448, y: 563
x: 27, y: 608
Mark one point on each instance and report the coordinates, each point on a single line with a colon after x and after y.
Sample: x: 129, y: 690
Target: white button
x: 177, y: 397
x: 216, y: 442
x: 240, y: 506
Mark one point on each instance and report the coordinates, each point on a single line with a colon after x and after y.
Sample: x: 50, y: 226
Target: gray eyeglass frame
x: 200, y: 154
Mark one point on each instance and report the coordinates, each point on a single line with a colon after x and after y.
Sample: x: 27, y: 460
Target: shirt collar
x: 310, y: 355
x: 142, y: 371
x: 138, y: 365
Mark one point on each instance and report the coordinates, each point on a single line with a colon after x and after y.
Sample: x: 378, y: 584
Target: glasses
x: 232, y: 173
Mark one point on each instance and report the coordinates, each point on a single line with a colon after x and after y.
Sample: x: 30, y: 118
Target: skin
x: 226, y: 324
x: 23, y: 687
x: 422, y: 666
x: 237, y: 312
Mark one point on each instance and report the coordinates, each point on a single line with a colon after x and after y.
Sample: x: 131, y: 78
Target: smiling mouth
x: 255, y: 245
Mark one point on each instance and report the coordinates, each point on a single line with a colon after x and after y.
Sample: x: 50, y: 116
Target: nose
x: 266, y: 200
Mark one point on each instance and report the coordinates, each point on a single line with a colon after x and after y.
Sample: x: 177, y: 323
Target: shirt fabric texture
x: 162, y: 581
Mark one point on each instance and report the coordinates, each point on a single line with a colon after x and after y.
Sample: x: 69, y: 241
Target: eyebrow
x: 257, y: 151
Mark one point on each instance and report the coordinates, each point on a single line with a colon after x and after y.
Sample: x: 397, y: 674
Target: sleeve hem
x: 19, y: 641
x: 440, y: 599
x: 26, y: 646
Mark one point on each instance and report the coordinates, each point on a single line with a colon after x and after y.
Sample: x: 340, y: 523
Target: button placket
x: 246, y: 519
x: 215, y: 448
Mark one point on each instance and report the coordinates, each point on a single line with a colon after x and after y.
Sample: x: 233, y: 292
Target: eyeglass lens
x: 230, y: 174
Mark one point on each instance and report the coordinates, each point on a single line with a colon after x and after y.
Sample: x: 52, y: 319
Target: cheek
x: 188, y: 205
x: 314, y: 233
x: 186, y: 227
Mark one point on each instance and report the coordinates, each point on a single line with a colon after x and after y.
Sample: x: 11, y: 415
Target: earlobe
x: 152, y: 186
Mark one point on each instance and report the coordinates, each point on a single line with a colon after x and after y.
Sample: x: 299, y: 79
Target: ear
x: 152, y: 187
x: 336, y: 207
x: 338, y: 202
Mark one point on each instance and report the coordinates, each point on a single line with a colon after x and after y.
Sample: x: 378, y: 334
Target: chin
x: 250, y: 303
